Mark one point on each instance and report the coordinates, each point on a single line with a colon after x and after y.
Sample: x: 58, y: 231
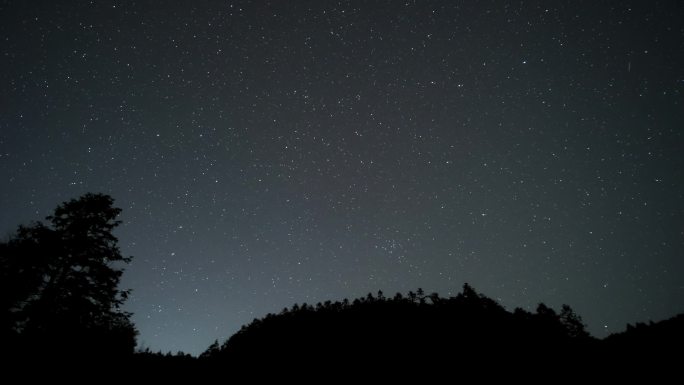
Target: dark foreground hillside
x: 466, y: 332
x: 417, y: 328
x: 416, y: 336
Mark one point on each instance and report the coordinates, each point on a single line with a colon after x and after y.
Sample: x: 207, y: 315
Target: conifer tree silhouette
x: 59, y: 283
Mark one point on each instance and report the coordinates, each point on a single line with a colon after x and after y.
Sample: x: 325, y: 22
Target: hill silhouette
x: 385, y: 331
x: 468, y: 333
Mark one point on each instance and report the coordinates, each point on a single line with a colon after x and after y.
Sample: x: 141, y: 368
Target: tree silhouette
x: 573, y: 323
x: 211, y: 351
x: 59, y: 282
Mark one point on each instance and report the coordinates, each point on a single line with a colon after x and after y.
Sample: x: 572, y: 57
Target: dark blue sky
x: 267, y: 153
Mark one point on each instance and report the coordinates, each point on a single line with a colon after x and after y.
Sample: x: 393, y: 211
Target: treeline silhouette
x: 60, y: 301
x: 389, y: 329
x: 465, y: 331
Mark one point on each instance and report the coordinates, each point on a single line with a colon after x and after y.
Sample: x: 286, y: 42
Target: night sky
x: 267, y: 153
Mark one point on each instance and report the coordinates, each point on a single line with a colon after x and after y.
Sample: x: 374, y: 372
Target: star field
x: 271, y: 152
